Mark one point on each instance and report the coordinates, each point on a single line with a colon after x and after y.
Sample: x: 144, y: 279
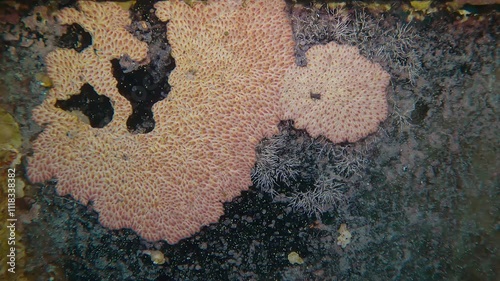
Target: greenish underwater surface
x: 420, y: 197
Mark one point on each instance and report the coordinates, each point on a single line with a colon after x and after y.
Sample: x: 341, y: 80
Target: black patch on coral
x: 143, y: 8
x: 142, y: 89
x: 96, y: 107
x: 144, y: 85
x: 315, y: 96
x: 75, y: 38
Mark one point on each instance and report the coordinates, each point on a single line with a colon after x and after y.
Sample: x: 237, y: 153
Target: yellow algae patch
x: 418, y: 10
x: 157, y: 257
x: 10, y: 140
x: 44, y: 80
x: 421, y: 5
x: 294, y: 258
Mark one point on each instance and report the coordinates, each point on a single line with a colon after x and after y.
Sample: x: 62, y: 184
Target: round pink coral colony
x: 339, y: 94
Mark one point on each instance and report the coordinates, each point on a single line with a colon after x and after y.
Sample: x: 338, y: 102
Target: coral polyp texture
x: 107, y: 23
x: 339, y: 94
x: 231, y: 59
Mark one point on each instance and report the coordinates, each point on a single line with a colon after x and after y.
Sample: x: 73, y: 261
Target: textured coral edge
x: 203, y: 146
x: 339, y: 94
x: 107, y: 23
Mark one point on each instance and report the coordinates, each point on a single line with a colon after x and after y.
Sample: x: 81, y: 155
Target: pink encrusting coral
x: 231, y: 60
x: 230, y: 63
x: 339, y: 94
x: 107, y: 24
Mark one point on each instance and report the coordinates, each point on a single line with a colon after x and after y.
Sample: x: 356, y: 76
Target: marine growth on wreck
x: 249, y: 140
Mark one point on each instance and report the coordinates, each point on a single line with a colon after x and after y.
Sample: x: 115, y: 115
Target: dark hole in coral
x: 315, y: 96
x: 75, y: 38
x: 144, y: 8
x: 97, y: 108
x: 142, y: 87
